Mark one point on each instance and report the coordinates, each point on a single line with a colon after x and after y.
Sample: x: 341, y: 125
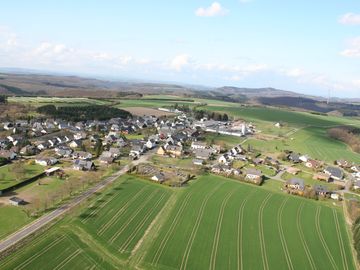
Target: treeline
x: 81, y: 113
x: 347, y: 135
x: 199, y: 114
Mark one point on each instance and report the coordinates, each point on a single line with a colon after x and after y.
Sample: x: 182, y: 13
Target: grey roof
x: 253, y: 172
x: 335, y: 172
x: 321, y: 188
x: 296, y: 181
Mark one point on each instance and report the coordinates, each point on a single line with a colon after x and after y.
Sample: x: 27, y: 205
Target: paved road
x: 46, y: 219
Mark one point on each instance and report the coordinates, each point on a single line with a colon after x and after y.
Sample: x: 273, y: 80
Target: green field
x: 11, y: 219
x: 214, y: 223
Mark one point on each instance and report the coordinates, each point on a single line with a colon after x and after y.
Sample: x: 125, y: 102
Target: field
x: 100, y: 236
x: 215, y: 223
x: 141, y: 111
x: 11, y: 218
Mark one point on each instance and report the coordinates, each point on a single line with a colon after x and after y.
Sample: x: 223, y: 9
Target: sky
x: 307, y: 46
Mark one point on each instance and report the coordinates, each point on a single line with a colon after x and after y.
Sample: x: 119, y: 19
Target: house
x: 355, y: 168
x: 106, y: 159
x: 203, y: 153
x: 47, y: 161
x: 75, y: 143
x: 174, y: 150
x: 295, y: 184
x: 294, y: 157
x: 198, y: 145
x: 313, y: 164
x: 322, y: 177
x: 293, y: 170
x: 225, y: 159
x: 158, y: 177
x: 335, y: 196
x: 253, y: 175
x: 321, y: 190
x: 83, y: 165
x: 29, y: 150
x: 199, y: 162
x: 356, y: 184
x: 343, y: 163
x: 304, y: 158
x: 161, y: 151
x: 150, y: 144
x: 16, y: 201
x: 115, y: 152
x: 8, y: 154
x: 63, y: 152
x: 334, y: 173
x: 81, y: 155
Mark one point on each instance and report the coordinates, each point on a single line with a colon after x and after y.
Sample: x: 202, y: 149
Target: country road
x: 46, y: 219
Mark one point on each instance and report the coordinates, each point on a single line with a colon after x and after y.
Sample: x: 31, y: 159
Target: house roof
x: 335, y: 172
x: 296, y: 181
x: 321, y: 188
x: 253, y: 172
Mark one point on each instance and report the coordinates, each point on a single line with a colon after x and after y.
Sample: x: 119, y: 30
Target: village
x: 179, y: 150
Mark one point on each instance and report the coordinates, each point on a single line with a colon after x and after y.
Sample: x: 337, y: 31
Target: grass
x: 214, y: 223
x: 9, y: 177
x: 11, y: 219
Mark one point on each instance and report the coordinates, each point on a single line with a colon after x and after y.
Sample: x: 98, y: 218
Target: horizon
x: 237, y: 43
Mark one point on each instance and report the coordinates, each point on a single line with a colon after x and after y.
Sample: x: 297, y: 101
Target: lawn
x: 15, y: 173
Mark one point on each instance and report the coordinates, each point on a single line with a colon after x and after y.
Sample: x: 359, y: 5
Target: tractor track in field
x: 341, y: 243
x: 282, y: 236
x: 261, y: 232
x: 196, y: 227
x: 132, y: 217
x: 101, y: 206
x: 140, y: 225
x: 106, y: 225
x: 174, y: 223
x: 302, y: 238
x: 239, y: 232
x: 218, y: 231
x: 38, y: 254
x: 322, y: 240
x: 68, y: 259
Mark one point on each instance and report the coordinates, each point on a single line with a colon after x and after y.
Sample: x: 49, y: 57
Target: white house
x: 198, y: 145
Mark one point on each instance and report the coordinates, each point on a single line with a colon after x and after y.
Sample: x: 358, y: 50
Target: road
x: 46, y: 219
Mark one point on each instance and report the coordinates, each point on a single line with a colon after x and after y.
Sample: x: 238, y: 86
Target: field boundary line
x: 68, y: 259
x: 318, y: 229
x: 218, y: 230
x: 282, y: 236
x: 261, y: 232
x: 38, y: 254
x: 302, y: 237
x: 196, y: 226
x: 132, y: 217
x: 340, y: 240
x: 105, y: 226
x: 140, y: 225
x: 239, y: 242
x: 174, y: 223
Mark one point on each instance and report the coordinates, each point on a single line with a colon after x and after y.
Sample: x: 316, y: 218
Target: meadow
x: 214, y: 223
x: 15, y: 173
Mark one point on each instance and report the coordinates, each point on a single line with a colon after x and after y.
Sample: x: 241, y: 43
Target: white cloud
x: 179, y: 62
x: 354, y: 48
x: 295, y: 72
x: 215, y: 9
x: 350, y: 19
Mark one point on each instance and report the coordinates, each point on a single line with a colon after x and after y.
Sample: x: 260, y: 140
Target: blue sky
x: 304, y: 46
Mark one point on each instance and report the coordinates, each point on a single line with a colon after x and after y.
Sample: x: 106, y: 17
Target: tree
x: 225, y: 117
x: 18, y: 171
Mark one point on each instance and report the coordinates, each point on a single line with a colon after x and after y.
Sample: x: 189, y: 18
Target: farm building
x: 16, y: 201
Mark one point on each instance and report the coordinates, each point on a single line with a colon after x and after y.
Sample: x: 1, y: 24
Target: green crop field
x: 220, y: 224
x: 214, y: 223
